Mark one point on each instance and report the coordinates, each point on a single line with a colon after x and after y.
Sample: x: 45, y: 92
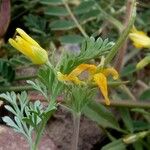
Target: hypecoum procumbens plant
x: 55, y: 80
x: 75, y: 77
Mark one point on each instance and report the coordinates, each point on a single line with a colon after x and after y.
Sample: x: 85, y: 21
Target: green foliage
x: 36, y: 114
x: 17, y: 123
x: 48, y: 21
x: 38, y: 26
x: 100, y: 114
x: 71, y: 39
x: 90, y: 49
x: 115, y: 145
x: 62, y: 25
x: 52, y: 2
x: 125, y: 115
x: 27, y: 116
x: 78, y: 97
x: 145, y: 95
x: 49, y: 79
x: 7, y: 73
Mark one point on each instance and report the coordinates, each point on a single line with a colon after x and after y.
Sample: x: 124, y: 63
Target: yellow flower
x: 96, y: 75
x: 29, y: 47
x: 139, y: 38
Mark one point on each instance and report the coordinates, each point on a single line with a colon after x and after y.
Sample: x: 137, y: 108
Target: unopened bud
x: 144, y: 62
x: 134, y: 137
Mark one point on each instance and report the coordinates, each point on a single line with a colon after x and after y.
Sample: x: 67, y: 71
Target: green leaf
x: 92, y: 14
x: 142, y: 111
x: 71, y: 39
x: 62, y: 25
x: 39, y: 86
x: 48, y: 79
x: 50, y: 2
x: 128, y: 70
x: 19, y: 60
x: 115, y: 145
x: 7, y: 73
x: 9, y: 122
x: 90, y: 49
x: 98, y: 113
x: 125, y: 115
x: 56, y: 11
x: 138, y: 145
x: 145, y: 95
x: 36, y: 24
x: 80, y: 96
x: 84, y: 7
x: 140, y: 125
x: 9, y: 108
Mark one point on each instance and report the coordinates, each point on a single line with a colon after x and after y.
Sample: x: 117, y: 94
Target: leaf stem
x: 76, y: 126
x: 123, y: 36
x: 39, y: 135
x: 74, y: 19
x: 114, y: 103
x: 128, y: 104
x: 122, y: 51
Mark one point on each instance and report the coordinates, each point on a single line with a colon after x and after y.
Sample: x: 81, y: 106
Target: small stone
x: 10, y: 140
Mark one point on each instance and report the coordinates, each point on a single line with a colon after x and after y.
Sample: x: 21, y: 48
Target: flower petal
x: 30, y: 48
x: 71, y: 78
x: 139, y: 38
x: 24, y: 47
x: 101, y: 81
x: 110, y: 71
x: 83, y: 67
x: 26, y: 37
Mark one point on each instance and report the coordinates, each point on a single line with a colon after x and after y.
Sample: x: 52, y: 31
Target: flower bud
x: 144, y: 62
x: 134, y: 137
x: 29, y: 47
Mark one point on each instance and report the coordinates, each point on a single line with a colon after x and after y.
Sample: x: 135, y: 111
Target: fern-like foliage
x: 78, y: 97
x: 49, y: 78
x: 7, y: 73
x: 38, y: 27
x: 90, y: 49
x: 28, y: 116
x: 17, y: 122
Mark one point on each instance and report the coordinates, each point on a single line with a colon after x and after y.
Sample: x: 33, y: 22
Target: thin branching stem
x: 74, y: 19
x: 16, y: 88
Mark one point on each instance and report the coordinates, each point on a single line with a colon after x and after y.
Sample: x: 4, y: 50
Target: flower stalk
x: 76, y: 127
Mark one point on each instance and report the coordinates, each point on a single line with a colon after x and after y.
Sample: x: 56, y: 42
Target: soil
x: 60, y: 130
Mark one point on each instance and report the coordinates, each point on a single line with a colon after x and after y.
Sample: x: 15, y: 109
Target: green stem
x: 74, y: 19
x: 39, y: 135
x: 125, y: 89
x: 123, y: 36
x: 76, y: 126
x: 122, y: 51
x: 15, y: 88
x: 128, y: 103
x: 109, y: 18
